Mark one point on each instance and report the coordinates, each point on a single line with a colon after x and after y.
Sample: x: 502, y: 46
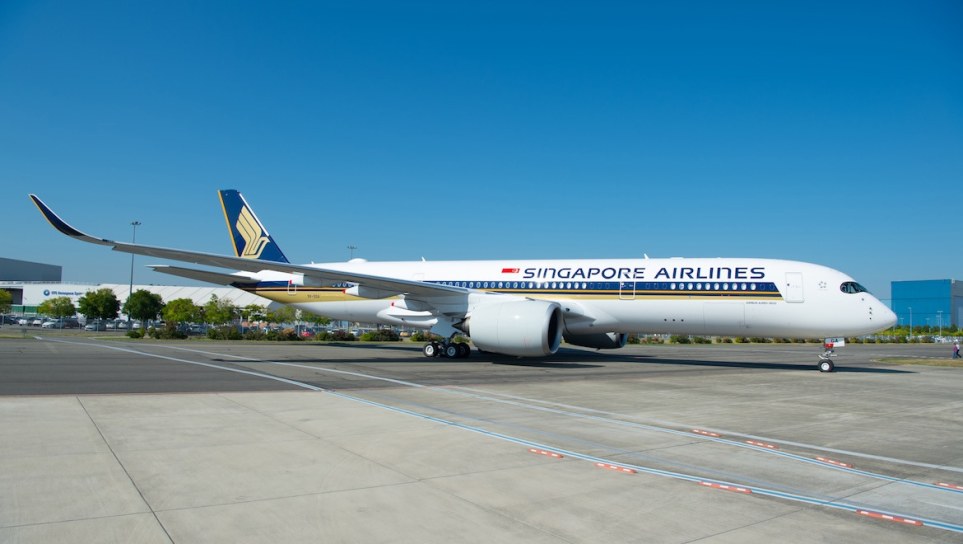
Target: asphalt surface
x: 127, y: 441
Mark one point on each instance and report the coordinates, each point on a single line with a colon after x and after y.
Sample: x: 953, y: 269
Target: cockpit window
x: 852, y: 287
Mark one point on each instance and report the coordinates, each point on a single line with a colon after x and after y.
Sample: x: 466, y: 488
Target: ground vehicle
x: 65, y: 323
x: 95, y: 326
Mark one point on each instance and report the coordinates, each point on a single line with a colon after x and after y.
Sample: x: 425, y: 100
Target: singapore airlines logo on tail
x: 254, y: 239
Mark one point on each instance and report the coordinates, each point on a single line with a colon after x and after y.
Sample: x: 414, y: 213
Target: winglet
x: 62, y: 225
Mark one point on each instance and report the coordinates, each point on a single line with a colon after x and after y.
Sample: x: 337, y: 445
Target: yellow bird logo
x: 254, y: 239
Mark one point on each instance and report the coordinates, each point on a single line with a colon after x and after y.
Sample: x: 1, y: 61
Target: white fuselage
x: 722, y: 296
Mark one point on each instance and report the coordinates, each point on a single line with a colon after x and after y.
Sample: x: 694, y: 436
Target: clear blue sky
x: 826, y: 132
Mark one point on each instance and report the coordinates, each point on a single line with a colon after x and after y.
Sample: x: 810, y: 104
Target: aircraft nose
x: 886, y: 317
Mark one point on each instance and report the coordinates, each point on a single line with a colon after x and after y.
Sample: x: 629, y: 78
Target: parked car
x: 11, y: 320
x: 37, y: 322
x: 95, y: 326
x: 66, y: 323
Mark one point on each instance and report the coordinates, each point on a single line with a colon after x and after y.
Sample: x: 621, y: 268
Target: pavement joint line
x: 830, y: 503
x: 750, y: 444
x: 725, y: 432
x: 124, y: 468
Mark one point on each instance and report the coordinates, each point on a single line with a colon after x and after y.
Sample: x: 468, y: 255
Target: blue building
x: 928, y: 302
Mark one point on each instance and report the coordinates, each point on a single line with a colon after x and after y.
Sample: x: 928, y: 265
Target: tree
x: 284, y: 314
x: 253, y: 312
x: 316, y: 319
x: 6, y: 299
x: 99, y: 304
x: 57, y: 307
x: 219, y: 311
x: 181, y: 310
x: 143, y: 305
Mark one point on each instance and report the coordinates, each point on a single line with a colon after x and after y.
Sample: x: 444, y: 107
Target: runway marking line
x: 887, y: 517
x: 725, y: 487
x: 833, y: 462
x: 950, y: 486
x: 616, y: 468
x: 762, y: 445
x: 546, y: 452
x: 706, y: 433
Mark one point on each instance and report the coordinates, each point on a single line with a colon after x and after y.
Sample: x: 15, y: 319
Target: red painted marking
x: 950, y: 486
x: 832, y: 462
x: 705, y: 433
x: 510, y: 271
x: 762, y: 444
x: 724, y: 487
x: 548, y: 453
x: 887, y: 517
x: 615, y: 467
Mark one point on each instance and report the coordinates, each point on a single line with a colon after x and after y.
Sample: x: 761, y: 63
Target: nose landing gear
x: 825, y: 360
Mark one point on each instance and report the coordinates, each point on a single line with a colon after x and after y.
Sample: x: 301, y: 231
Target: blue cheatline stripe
x: 641, y: 289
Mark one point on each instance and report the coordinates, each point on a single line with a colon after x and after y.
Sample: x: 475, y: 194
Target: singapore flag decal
x: 510, y: 271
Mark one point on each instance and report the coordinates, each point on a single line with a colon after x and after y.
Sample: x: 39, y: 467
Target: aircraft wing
x: 381, y: 283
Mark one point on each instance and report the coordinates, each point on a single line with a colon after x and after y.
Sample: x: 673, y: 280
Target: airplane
x: 525, y: 308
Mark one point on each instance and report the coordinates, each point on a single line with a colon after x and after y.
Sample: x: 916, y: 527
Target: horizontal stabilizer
x: 217, y: 278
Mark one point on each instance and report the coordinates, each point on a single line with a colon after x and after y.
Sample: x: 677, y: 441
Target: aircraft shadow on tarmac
x: 568, y: 359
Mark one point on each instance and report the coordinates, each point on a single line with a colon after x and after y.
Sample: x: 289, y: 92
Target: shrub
x: 135, y: 334
x: 282, y: 335
x: 341, y: 336
x: 169, y: 332
x: 680, y: 339
x: 224, y: 332
x: 253, y: 334
x: 381, y: 335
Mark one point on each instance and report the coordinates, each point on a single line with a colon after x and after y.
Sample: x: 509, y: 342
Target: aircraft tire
x: 464, y: 350
x: 431, y: 350
x: 826, y: 365
x: 451, y: 351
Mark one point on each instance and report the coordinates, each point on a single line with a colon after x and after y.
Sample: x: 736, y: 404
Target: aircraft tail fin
x: 251, y: 240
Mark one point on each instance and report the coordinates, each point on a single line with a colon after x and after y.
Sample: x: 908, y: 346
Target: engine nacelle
x: 605, y: 340
x: 525, y: 328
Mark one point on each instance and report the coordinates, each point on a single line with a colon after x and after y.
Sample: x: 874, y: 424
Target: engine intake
x: 524, y: 328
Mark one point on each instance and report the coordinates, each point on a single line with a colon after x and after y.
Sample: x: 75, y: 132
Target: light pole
x: 352, y: 248
x: 133, y: 239
x: 911, y: 322
x: 939, y: 313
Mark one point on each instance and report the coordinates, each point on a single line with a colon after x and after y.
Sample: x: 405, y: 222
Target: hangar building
x: 14, y: 270
x: 928, y: 302
x: 33, y: 283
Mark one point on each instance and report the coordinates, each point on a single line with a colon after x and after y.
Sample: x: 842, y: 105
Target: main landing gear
x: 451, y: 350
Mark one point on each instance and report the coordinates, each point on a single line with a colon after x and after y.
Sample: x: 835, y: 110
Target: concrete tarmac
x: 142, y: 441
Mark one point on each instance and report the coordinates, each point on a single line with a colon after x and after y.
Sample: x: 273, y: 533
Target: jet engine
x: 525, y: 328
x: 605, y: 340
